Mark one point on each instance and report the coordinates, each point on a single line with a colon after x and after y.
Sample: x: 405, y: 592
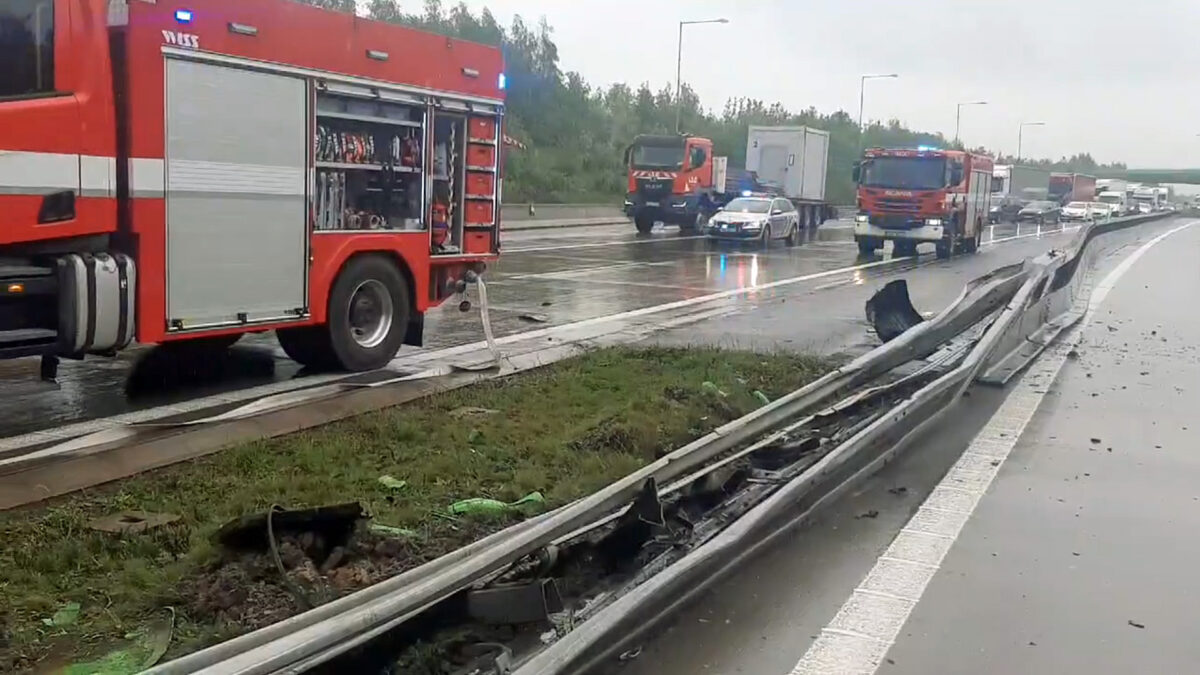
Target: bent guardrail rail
x: 1025, y: 295
x: 1056, y: 305
x: 329, y: 630
x: 1052, y: 283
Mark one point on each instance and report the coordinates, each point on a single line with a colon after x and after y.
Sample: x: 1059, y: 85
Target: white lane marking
x: 867, y: 625
x: 535, y: 249
x: 613, y: 282
x: 566, y: 274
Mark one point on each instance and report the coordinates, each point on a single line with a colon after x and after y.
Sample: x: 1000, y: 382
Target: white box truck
x: 792, y: 159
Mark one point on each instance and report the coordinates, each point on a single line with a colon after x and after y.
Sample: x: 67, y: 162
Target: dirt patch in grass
x: 565, y: 431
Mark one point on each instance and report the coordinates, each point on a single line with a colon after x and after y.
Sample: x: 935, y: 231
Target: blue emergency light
x: 503, y: 83
x: 183, y: 15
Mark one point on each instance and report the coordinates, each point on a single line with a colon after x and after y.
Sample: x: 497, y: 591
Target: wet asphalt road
x: 556, y: 277
x: 1070, y: 544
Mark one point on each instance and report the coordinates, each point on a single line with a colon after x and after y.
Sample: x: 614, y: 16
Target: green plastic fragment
x: 762, y: 398
x: 389, y: 531
x: 65, y: 616
x: 485, y: 505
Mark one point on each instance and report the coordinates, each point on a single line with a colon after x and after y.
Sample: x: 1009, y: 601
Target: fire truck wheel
x: 644, y: 223
x: 944, y: 249
x: 368, y: 314
x: 308, y: 346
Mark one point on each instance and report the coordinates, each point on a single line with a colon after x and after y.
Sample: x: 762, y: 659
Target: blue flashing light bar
x: 184, y: 15
x: 503, y: 83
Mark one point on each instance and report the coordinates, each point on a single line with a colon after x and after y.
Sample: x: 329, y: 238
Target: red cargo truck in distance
x: 667, y: 177
x: 1072, y: 187
x: 196, y: 170
x: 924, y: 195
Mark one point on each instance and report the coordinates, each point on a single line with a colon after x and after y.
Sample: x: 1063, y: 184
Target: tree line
x: 574, y: 134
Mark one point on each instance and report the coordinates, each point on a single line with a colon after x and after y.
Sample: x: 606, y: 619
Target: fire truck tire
x: 972, y: 245
x: 644, y: 223
x: 368, y: 314
x: 944, y: 249
x: 694, y: 225
x: 867, y: 246
x: 308, y: 346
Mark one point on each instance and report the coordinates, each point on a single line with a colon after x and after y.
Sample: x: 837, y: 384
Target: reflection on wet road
x: 545, y: 277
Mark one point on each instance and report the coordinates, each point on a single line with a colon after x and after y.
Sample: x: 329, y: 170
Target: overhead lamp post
x: 958, y: 116
x: 679, y: 68
x: 1021, y: 135
x: 862, y: 97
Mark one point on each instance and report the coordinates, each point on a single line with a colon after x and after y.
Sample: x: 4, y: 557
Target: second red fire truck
x: 195, y: 170
x: 910, y: 196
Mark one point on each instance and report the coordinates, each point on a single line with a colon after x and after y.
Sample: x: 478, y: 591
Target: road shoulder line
x: 904, y: 571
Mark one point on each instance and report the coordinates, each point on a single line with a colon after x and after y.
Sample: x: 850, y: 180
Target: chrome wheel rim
x: 370, y: 314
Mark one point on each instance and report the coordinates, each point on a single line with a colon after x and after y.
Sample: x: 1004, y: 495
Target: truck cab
x: 919, y: 195
x: 668, y: 178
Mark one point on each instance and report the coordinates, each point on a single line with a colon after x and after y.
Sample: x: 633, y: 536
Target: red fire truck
x: 912, y: 196
x: 193, y: 170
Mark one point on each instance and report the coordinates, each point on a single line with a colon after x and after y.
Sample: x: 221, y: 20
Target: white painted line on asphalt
x: 567, y: 274
x: 858, y: 638
x: 535, y: 249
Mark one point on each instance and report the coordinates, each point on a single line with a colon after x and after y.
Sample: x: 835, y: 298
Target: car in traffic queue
x: 1040, y: 212
x: 1004, y: 209
x: 755, y: 218
x: 1079, y: 212
x: 1104, y: 211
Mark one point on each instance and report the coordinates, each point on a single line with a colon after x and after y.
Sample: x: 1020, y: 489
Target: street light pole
x: 1021, y: 135
x: 862, y: 97
x: 958, y: 116
x: 679, y: 69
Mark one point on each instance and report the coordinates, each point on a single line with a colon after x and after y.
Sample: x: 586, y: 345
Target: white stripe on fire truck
x: 40, y: 173
x: 146, y: 177
x: 228, y: 178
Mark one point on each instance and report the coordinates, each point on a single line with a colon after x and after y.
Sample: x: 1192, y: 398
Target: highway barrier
x: 1049, y: 299
x: 1020, y: 301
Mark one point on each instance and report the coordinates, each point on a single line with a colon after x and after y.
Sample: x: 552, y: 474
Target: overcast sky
x: 1111, y: 77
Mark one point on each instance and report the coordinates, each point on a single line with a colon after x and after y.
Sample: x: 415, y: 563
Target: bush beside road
x: 73, y: 594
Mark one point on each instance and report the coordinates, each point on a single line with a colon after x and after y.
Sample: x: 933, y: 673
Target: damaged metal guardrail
x: 329, y: 630
x: 326, y: 632
x: 1051, y: 291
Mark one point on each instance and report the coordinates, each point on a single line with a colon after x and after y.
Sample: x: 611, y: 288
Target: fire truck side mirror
x: 856, y: 172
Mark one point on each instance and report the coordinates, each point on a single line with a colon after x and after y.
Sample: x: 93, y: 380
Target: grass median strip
x: 95, y: 572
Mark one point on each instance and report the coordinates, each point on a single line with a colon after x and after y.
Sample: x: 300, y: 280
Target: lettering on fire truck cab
x: 188, y: 40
